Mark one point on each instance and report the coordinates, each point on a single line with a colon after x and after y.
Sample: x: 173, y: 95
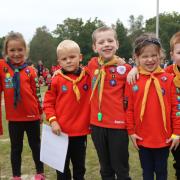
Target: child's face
x: 69, y: 59
x: 106, y: 44
x: 16, y: 51
x: 149, y: 58
x: 175, y: 54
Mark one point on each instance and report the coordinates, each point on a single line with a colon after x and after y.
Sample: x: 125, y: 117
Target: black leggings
x: 16, y: 133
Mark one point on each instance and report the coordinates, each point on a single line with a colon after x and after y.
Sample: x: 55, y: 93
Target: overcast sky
x: 26, y: 15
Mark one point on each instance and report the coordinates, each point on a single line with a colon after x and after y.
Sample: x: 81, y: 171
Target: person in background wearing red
x: 153, y: 119
x: 66, y: 105
x: 55, y: 68
x: 22, y: 98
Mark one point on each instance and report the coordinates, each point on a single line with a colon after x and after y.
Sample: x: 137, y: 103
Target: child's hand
x: 56, y: 73
x: 120, y: 60
x: 134, y: 138
x: 56, y: 128
x: 133, y: 75
x: 175, y: 142
x: 41, y: 118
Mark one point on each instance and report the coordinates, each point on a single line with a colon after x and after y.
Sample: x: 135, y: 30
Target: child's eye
x: 154, y: 55
x: 110, y: 40
x: 20, y: 49
x: 63, y: 59
x: 72, y: 57
x: 12, y: 50
x: 100, y: 42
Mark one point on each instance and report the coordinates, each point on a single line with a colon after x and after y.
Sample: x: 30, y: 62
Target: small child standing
x: 153, y: 119
x: 20, y: 85
x: 108, y: 121
x: 66, y: 105
x: 175, y: 70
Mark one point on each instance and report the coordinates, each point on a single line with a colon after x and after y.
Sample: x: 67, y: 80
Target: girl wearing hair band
x: 153, y: 122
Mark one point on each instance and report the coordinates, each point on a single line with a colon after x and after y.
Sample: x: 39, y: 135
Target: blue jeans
x: 154, y: 161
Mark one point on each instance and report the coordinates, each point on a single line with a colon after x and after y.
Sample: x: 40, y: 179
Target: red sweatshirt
x: 28, y: 108
x: 113, y: 114
x: 151, y: 129
x: 60, y: 101
x: 169, y: 69
x: 1, y: 128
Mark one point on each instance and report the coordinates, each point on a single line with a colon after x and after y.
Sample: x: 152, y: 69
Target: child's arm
x: 49, y: 106
x: 56, y: 129
x: 120, y: 60
x: 134, y: 138
x: 175, y: 118
x: 130, y: 121
x: 36, y: 89
x: 133, y: 75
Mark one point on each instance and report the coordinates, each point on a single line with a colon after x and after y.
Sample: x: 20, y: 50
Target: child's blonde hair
x: 103, y: 29
x: 66, y: 45
x: 175, y: 39
x: 13, y: 36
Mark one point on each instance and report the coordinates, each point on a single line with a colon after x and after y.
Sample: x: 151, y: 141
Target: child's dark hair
x: 13, y: 36
x: 103, y: 29
x: 144, y: 40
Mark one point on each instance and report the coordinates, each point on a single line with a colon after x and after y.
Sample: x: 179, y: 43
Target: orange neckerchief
x: 177, y: 77
x: 101, y: 76
x: 158, y: 90
x: 75, y: 87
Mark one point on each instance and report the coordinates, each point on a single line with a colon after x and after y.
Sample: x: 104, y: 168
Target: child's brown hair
x: 175, y: 39
x: 103, y: 29
x: 13, y: 36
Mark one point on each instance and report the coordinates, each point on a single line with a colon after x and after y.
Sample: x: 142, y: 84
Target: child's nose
x: 16, y: 53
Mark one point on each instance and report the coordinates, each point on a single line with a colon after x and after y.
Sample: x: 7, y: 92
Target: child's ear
x: 80, y: 57
x: 117, y: 45
x: 94, y: 48
x: 171, y: 54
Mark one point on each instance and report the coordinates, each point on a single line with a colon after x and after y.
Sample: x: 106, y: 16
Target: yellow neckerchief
x: 101, y: 76
x: 75, y: 87
x: 158, y: 90
x: 177, y: 77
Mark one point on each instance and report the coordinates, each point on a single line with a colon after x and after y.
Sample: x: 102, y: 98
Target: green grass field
x: 92, y: 166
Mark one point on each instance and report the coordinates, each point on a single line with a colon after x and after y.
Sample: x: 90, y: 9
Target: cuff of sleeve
x: 131, y: 131
x: 52, y: 119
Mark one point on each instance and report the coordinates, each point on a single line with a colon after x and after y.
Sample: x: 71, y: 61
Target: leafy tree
x: 136, y: 27
x: 42, y: 47
x: 125, y: 48
x: 80, y: 32
x: 1, y: 46
x: 169, y: 23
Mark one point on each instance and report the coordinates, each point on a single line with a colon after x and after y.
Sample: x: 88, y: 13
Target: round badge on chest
x: 121, y: 69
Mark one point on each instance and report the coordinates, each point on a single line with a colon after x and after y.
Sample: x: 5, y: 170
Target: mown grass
x: 92, y: 166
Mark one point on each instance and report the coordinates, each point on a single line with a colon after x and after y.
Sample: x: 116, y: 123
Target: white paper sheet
x: 53, y: 148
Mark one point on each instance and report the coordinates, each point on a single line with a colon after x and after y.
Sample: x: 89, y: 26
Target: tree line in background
x: 43, y: 44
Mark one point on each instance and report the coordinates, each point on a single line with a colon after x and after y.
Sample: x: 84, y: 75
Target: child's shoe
x: 39, y: 177
x: 16, y: 178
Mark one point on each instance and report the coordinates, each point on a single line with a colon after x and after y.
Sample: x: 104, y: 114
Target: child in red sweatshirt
x: 22, y: 98
x: 153, y: 119
x: 66, y: 105
x: 108, y: 120
x: 175, y: 70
